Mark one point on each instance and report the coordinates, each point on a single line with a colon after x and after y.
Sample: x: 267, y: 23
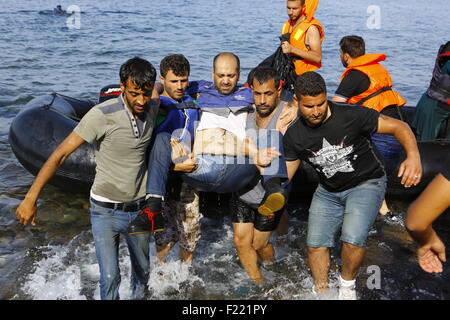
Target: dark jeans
x: 389, y: 149
x: 107, y: 225
x: 214, y: 173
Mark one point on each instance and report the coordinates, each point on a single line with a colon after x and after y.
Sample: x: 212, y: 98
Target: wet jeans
x: 214, y: 173
x: 389, y: 149
x: 107, y: 225
x: 352, y: 212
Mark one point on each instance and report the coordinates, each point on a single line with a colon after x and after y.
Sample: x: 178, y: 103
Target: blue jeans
x: 353, y: 211
x: 389, y: 149
x: 107, y: 225
x: 214, y: 173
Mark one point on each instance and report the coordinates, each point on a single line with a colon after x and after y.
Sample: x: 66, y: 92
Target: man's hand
x: 410, y: 171
x: 286, y: 47
x: 179, y: 150
x: 264, y: 157
x: 287, y: 116
x: 187, y: 165
x: 431, y: 255
x: 26, y: 212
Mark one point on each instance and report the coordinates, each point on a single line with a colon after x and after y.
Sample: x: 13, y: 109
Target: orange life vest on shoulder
x: 380, y: 94
x: 298, y: 39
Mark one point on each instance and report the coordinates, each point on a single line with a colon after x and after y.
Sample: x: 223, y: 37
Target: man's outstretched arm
x: 411, y: 169
x: 26, y: 211
x: 419, y: 219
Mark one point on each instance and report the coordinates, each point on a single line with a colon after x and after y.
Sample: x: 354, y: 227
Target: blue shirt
x: 211, y: 100
x: 180, y: 120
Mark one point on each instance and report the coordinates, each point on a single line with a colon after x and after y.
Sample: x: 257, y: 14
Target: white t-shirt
x: 233, y: 123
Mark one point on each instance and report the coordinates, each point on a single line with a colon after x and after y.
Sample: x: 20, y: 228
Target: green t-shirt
x: 120, y: 149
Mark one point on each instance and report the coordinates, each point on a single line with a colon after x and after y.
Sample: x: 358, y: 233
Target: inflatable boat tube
x: 40, y: 127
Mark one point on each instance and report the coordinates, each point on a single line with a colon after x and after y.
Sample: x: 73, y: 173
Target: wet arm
x: 292, y: 167
x: 410, y: 169
x: 27, y: 209
x: 429, y: 205
x: 426, y: 208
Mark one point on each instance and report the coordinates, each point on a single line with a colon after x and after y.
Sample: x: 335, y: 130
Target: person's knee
x: 351, y: 246
x: 242, y: 241
x: 259, y: 244
x: 317, y: 250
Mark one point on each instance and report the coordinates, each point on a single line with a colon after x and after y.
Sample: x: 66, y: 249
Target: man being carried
x: 335, y: 140
x: 252, y: 230
x: 182, y: 210
x: 305, y: 35
x: 120, y: 130
x: 221, y: 150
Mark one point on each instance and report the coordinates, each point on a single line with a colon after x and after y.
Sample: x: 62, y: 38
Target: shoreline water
x: 40, y: 54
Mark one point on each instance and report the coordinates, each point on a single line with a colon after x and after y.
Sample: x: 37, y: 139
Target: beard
x: 263, y: 113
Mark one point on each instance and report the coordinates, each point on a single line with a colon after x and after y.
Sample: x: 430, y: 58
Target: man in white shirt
x: 226, y: 160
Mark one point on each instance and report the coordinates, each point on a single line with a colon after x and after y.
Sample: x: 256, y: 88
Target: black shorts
x: 243, y: 213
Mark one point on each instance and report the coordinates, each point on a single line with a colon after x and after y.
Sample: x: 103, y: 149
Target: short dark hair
x: 263, y: 74
x: 177, y: 63
x: 238, y: 62
x: 353, y: 46
x: 302, y: 1
x: 139, y: 70
x: 310, y: 84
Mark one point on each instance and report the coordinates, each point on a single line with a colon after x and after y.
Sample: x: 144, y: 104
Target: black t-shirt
x: 340, y: 149
x: 353, y: 84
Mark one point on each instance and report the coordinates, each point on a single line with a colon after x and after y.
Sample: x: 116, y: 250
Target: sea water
x: 42, y: 53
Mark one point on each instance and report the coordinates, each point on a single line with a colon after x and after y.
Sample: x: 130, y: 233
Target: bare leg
x: 262, y: 246
x: 162, y: 252
x: 186, y: 255
x: 384, y: 208
x: 243, y: 239
x: 352, y: 258
x: 188, y: 221
x: 319, y: 262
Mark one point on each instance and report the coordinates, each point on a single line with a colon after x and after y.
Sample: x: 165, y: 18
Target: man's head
x: 226, y: 72
x: 295, y: 9
x: 352, y: 47
x: 137, y: 78
x: 311, y: 98
x: 265, y: 83
x: 174, y: 71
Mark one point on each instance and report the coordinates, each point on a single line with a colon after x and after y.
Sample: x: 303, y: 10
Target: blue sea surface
x: 42, y: 53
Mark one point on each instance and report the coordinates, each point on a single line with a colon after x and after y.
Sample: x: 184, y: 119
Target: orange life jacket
x: 380, y: 93
x: 298, y: 39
